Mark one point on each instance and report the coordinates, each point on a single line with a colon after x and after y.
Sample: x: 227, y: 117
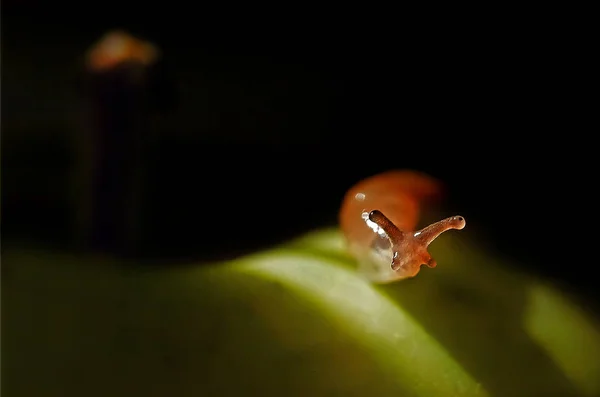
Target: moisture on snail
x: 378, y: 217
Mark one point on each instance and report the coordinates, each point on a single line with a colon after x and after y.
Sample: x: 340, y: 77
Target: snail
x: 378, y: 216
x: 117, y: 47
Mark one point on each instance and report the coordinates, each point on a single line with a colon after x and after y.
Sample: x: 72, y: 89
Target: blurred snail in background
x: 378, y: 216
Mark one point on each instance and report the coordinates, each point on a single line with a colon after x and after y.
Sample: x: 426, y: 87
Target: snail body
x: 378, y: 217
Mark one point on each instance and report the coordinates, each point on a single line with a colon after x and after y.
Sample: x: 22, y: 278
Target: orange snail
x: 377, y: 217
x: 117, y: 47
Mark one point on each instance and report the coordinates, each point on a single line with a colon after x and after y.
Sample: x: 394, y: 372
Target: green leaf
x: 295, y: 321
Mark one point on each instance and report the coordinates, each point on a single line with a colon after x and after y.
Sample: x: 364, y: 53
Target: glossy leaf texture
x: 295, y: 321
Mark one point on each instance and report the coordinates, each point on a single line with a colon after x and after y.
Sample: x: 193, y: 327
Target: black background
x: 276, y: 113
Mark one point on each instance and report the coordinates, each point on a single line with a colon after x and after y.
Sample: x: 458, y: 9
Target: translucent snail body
x: 378, y: 217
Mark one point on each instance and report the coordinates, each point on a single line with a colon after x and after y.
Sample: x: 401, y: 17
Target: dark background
x: 262, y: 121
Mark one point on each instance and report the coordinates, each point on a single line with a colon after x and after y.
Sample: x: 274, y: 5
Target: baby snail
x: 378, y: 216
